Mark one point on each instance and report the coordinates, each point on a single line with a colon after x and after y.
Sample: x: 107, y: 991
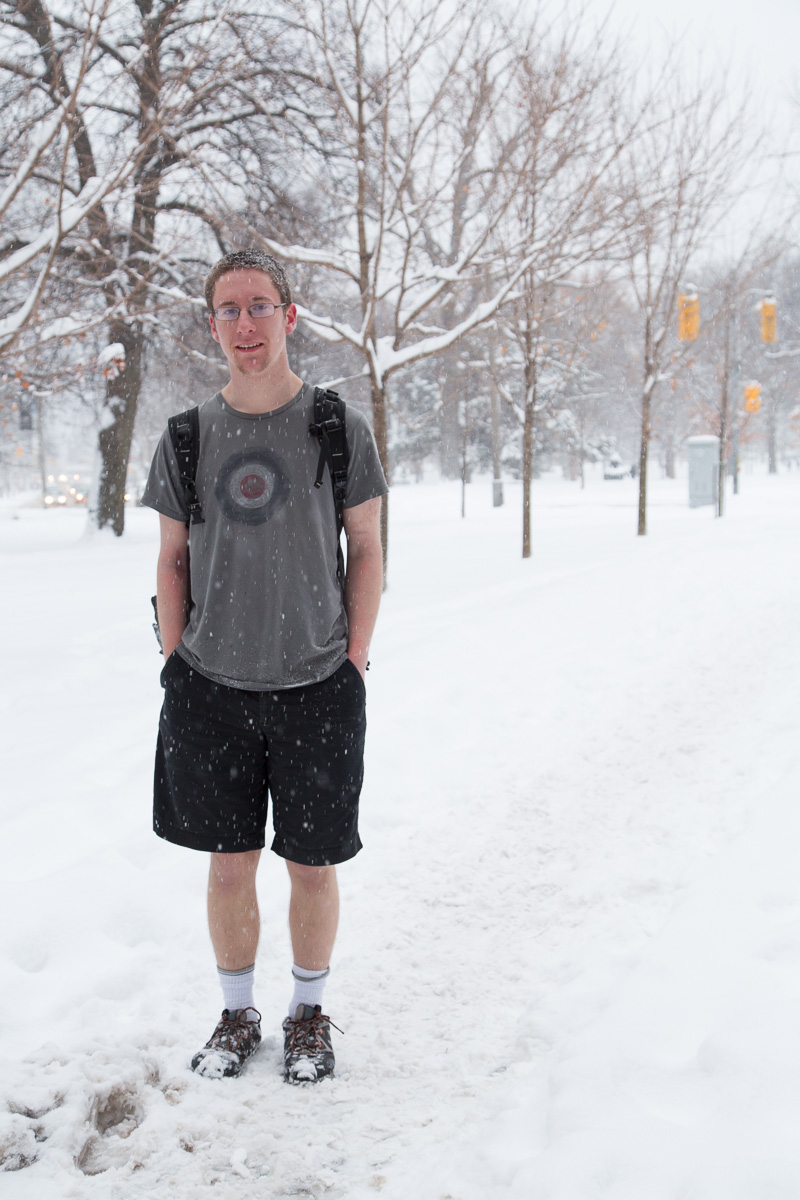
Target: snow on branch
x: 389, y: 359
x: 154, y: 320
x: 309, y: 256
x: 330, y: 330
x: 11, y: 325
x: 40, y: 138
x: 69, y: 216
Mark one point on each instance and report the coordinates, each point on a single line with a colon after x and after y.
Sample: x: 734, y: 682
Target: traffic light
x: 752, y: 391
x: 769, y: 320
x: 688, y: 316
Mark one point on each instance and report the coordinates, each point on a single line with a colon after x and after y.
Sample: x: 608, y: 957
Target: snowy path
x: 569, y: 960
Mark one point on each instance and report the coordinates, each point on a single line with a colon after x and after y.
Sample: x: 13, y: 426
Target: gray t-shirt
x: 266, y: 608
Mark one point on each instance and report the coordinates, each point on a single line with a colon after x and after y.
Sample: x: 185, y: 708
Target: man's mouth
x: 250, y: 346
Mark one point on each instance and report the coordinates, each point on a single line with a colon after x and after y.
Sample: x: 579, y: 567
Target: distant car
x: 615, y: 468
x: 79, y: 490
x: 64, y: 490
x: 56, y: 495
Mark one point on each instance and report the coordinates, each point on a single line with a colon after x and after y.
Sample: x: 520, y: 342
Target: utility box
x: 703, y: 470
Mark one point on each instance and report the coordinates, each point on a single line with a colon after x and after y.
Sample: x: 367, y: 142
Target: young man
x: 264, y: 659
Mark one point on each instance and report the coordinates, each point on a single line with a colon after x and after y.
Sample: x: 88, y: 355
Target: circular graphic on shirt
x: 252, y: 486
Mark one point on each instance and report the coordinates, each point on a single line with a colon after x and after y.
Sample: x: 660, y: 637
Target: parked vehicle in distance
x: 55, y: 495
x: 65, y: 490
x: 615, y: 468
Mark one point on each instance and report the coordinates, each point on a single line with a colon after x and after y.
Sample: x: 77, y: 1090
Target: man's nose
x: 245, y: 322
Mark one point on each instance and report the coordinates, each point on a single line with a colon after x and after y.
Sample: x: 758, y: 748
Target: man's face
x: 251, y: 346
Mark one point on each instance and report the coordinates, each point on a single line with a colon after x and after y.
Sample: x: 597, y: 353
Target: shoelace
x: 308, y: 1033
x: 233, y: 1032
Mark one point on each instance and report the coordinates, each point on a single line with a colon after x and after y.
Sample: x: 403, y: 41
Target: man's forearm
x: 362, y: 598
x: 172, y: 592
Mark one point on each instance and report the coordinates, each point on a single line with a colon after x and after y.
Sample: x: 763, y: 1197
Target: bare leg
x: 313, y: 915
x: 233, y: 919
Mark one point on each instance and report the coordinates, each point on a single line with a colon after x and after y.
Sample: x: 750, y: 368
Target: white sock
x: 308, y: 987
x: 237, y: 988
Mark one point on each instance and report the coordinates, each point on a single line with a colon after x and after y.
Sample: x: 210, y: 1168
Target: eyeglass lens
x: 230, y: 312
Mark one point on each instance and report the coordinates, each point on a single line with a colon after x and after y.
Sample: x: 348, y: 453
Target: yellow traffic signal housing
x: 769, y: 320
x: 752, y: 392
x: 688, y: 317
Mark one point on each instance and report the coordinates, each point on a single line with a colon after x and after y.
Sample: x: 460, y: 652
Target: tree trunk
x: 122, y: 398
x: 380, y: 427
x: 723, y: 420
x: 527, y: 473
x: 449, y: 433
x: 42, y: 444
x: 582, y: 446
x: 669, y: 458
x: 643, y: 452
x: 497, y: 480
x: 466, y: 474
x: 497, y: 471
x: 772, y: 437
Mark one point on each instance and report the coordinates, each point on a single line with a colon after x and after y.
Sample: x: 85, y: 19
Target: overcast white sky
x: 758, y: 42
x: 758, y: 38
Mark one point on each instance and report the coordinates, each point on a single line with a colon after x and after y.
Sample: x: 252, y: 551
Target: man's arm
x: 172, y: 587
x: 363, y: 583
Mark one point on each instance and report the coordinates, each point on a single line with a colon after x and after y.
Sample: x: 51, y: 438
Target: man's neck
x: 261, y: 393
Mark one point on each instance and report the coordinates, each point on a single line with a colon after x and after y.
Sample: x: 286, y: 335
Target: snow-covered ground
x: 569, y: 961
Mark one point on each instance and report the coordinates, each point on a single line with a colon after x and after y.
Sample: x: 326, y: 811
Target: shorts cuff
x: 208, y: 845
x: 329, y: 856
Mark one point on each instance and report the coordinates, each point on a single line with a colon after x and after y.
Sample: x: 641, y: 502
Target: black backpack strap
x: 329, y: 426
x: 184, y: 432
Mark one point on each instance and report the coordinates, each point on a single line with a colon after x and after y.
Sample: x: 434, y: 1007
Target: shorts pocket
x: 166, y: 666
x: 348, y: 664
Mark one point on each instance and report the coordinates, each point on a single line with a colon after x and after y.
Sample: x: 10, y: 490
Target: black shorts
x: 222, y: 749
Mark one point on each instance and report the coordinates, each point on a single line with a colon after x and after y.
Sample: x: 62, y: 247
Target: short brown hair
x: 255, y: 260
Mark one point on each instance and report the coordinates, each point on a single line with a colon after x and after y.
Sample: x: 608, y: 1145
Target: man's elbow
x: 364, y: 556
x: 173, y: 570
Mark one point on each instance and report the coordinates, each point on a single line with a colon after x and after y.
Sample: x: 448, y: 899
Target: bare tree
x: 41, y: 203
x: 733, y: 288
x: 154, y: 91
x: 565, y: 215
x: 677, y: 176
x: 408, y: 163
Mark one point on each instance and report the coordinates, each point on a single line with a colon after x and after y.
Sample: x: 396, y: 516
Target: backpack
x: 328, y: 425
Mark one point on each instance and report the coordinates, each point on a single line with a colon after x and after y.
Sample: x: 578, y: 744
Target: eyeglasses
x: 230, y: 312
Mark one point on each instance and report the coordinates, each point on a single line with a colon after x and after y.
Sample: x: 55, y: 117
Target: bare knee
x: 232, y: 872
x: 311, y: 879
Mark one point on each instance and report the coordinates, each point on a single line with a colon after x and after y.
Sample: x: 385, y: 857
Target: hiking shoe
x: 230, y: 1045
x: 307, y: 1051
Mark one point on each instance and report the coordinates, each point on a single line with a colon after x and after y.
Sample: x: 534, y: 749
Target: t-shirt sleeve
x: 163, y: 491
x: 365, y: 477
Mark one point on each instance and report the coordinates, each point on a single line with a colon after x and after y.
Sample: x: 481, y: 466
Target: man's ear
x: 214, y: 333
x: 291, y: 318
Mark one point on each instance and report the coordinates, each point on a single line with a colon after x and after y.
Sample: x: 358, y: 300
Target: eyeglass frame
x: 249, y: 311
